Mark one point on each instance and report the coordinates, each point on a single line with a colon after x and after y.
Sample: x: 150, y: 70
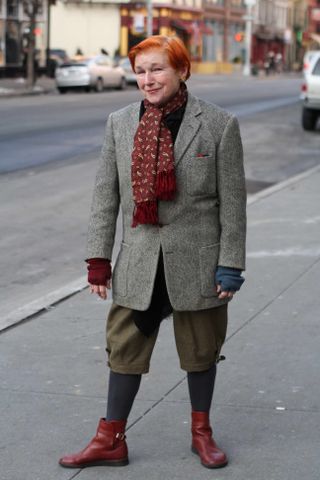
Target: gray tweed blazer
x: 203, y: 227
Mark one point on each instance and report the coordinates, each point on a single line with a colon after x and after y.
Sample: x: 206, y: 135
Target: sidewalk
x: 266, y: 405
x: 12, y: 87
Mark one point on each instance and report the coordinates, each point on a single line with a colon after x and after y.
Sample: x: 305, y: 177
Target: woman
x: 174, y: 165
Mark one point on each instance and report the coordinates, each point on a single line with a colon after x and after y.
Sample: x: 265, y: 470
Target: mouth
x: 152, y: 91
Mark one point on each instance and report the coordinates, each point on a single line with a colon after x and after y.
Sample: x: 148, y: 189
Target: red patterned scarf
x: 152, y: 167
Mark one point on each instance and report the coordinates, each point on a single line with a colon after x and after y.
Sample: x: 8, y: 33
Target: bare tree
x: 31, y: 8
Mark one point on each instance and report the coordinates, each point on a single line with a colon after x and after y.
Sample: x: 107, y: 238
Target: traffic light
x: 239, y: 36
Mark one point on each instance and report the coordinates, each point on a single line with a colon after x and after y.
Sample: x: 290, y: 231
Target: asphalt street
x: 44, y: 129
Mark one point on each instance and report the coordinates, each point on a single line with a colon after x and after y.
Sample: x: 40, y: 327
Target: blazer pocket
x: 201, y: 176
x: 208, y: 263
x: 120, y: 273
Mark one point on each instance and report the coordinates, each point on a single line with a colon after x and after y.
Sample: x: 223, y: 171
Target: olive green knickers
x: 199, y: 337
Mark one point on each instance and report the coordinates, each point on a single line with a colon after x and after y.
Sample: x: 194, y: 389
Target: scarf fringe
x: 166, y: 185
x: 145, y: 212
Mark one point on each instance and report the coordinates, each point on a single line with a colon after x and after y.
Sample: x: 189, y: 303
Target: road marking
x: 257, y: 107
x: 286, y: 252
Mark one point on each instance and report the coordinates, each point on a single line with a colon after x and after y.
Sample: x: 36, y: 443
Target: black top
x: 160, y: 307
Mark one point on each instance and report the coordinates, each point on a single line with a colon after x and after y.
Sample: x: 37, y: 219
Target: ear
x: 183, y: 74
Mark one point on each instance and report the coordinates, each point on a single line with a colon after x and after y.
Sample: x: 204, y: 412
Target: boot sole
x: 101, y: 463
x: 221, y: 465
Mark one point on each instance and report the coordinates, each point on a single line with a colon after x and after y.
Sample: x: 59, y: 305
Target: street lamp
x: 149, y: 18
x: 248, y: 18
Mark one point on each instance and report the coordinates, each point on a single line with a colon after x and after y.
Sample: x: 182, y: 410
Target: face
x: 156, y: 79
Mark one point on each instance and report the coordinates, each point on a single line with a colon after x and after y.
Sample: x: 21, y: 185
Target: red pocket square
x: 201, y: 155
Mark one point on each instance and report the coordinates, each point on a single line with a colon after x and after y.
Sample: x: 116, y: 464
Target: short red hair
x: 177, y: 53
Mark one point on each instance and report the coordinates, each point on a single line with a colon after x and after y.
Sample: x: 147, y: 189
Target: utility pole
x: 248, y: 37
x: 48, y: 38
x: 149, y: 18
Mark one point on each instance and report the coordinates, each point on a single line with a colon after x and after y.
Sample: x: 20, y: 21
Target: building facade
x: 213, y: 30
x: 85, y: 26
x: 14, y: 28
x: 207, y: 27
x: 312, y: 27
x: 225, y: 18
x: 272, y: 32
x: 181, y: 17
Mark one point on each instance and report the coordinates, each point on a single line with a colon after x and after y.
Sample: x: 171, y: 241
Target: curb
x: 42, y: 304
x: 46, y: 302
x: 25, y: 93
x: 282, y: 185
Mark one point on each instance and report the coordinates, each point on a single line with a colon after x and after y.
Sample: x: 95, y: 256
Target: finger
x: 223, y: 295
x: 109, y: 284
x: 102, y: 292
x: 218, y: 288
x: 230, y: 294
x: 93, y: 288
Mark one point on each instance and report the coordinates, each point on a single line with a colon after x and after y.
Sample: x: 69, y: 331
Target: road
x: 49, y: 151
x: 54, y: 128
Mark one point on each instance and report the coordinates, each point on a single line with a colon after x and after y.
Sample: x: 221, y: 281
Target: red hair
x: 177, y: 53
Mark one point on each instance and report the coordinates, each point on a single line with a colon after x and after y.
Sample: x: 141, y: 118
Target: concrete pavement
x: 266, y: 405
x: 12, y: 87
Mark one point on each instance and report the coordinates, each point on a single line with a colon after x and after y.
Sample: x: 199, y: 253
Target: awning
x: 205, y: 29
x: 315, y: 37
x: 182, y: 25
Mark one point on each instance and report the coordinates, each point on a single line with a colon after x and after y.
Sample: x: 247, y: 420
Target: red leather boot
x: 108, y: 447
x: 203, y: 444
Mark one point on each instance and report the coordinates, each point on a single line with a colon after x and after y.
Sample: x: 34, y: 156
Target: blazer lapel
x: 131, y: 126
x: 188, y: 129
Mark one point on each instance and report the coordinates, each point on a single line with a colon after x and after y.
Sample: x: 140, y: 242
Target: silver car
x: 130, y: 75
x: 90, y: 73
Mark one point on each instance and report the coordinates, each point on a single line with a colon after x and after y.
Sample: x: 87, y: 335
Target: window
x: 12, y: 42
x: 12, y: 8
x: 316, y: 70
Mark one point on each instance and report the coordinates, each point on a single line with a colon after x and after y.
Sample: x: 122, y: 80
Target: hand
x: 223, y: 294
x: 101, y: 290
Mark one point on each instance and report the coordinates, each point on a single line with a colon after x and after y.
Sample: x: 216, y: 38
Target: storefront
x: 187, y: 23
x: 14, y: 30
x: 265, y: 43
x: 226, y: 21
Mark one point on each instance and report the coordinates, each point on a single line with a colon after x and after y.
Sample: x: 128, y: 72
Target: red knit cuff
x: 99, y: 271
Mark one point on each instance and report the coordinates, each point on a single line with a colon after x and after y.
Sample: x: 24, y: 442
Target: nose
x: 148, y: 78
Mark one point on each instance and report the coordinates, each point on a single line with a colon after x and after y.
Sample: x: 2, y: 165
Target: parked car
x: 307, y: 59
x: 310, y: 93
x: 57, y: 57
x: 95, y: 73
x: 130, y: 75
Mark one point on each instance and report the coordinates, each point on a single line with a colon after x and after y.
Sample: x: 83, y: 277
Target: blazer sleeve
x: 232, y: 197
x: 106, y: 200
